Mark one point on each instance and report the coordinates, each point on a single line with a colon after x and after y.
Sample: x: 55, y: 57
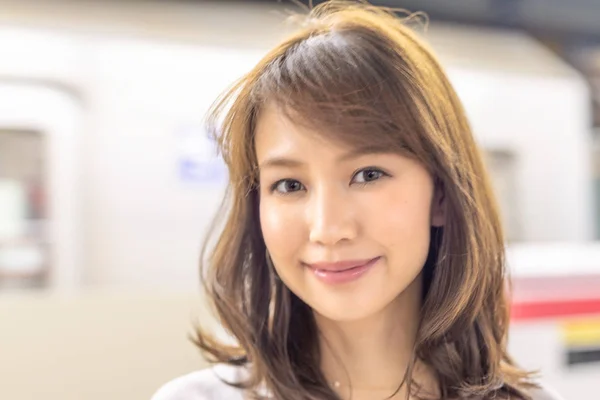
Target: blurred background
x: 108, y: 184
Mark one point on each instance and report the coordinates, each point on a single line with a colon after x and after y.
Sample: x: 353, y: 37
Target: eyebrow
x: 278, y: 161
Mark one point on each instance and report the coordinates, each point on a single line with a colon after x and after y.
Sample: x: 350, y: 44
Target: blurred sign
x: 197, y: 159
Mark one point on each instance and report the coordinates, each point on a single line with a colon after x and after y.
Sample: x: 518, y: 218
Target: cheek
x: 281, y: 230
x: 401, y: 223
x: 404, y: 219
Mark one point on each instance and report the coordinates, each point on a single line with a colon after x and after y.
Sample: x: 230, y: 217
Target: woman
x: 362, y: 256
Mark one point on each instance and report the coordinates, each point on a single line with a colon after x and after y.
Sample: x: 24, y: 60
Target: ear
x: 438, y: 206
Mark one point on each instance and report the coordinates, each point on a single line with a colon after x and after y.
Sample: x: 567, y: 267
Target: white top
x: 207, y: 384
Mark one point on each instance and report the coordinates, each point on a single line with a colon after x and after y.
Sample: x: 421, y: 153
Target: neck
x: 372, y: 354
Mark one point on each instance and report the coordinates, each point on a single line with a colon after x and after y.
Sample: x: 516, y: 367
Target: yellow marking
x: 582, y: 333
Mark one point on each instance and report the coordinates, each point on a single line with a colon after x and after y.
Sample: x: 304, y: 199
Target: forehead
x: 277, y: 132
x: 275, y: 127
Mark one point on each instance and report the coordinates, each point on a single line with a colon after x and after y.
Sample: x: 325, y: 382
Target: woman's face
x: 347, y: 231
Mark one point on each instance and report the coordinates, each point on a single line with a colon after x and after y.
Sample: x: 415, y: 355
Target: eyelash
x: 382, y: 174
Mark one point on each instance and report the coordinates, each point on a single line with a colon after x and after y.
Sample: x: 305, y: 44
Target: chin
x: 364, y: 304
x: 346, y: 312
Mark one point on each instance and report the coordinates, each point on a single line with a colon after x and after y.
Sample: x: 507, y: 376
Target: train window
x: 23, y: 217
x: 501, y: 166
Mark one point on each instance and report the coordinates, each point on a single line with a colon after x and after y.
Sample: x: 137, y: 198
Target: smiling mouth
x: 342, y: 272
x: 341, y: 266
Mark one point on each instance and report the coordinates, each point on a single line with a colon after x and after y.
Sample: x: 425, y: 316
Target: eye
x: 287, y: 186
x: 367, y: 175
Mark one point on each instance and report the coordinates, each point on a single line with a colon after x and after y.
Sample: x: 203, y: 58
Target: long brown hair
x: 360, y: 75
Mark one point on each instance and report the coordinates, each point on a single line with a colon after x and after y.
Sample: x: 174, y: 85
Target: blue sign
x: 193, y: 170
x: 197, y: 158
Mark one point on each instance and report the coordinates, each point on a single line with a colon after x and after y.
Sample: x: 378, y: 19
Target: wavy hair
x: 360, y: 75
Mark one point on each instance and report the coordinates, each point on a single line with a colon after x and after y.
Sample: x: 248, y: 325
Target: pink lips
x: 343, y: 271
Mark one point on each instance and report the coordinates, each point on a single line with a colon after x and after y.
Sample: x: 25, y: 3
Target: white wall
x: 140, y: 81
x: 144, y: 217
x: 545, y: 122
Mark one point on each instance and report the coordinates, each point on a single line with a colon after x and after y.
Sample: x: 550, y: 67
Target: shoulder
x: 206, y: 384
x: 545, y: 393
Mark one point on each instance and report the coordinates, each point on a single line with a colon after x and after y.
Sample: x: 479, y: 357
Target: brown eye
x: 367, y: 175
x: 286, y: 186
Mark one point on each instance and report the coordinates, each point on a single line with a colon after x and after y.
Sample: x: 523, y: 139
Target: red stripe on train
x: 549, y: 309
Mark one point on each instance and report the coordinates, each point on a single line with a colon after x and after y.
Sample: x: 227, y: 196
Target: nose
x: 331, y: 217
